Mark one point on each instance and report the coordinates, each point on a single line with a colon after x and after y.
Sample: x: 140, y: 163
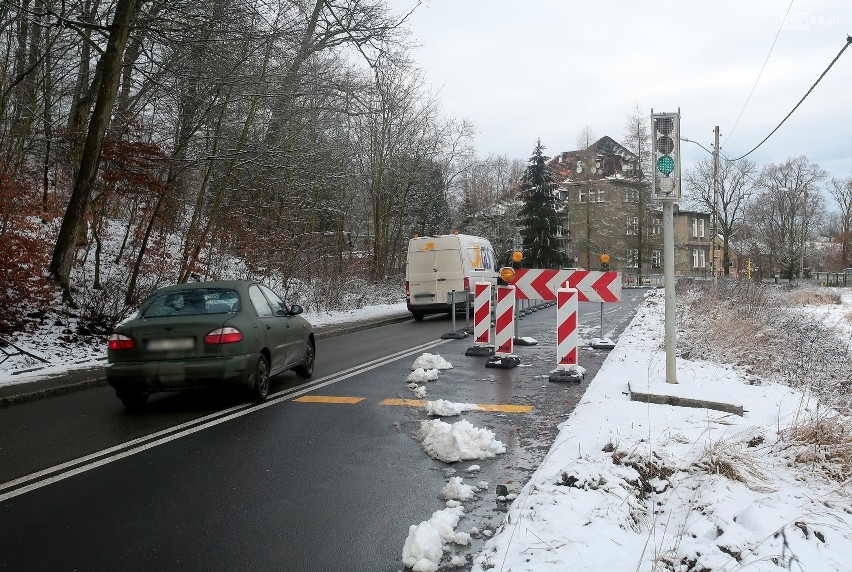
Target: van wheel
x: 418, y: 316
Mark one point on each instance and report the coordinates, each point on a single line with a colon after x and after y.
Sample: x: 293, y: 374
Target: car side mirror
x: 295, y: 310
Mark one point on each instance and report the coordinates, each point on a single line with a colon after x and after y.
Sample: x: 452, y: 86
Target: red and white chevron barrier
x: 482, y: 313
x: 566, y: 327
x: 504, y: 325
x: 592, y: 285
x: 567, y: 368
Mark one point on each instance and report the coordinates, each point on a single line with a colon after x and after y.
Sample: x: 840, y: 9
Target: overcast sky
x: 524, y: 69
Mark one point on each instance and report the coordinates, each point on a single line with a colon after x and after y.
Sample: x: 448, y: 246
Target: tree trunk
x: 63, y: 252
x: 131, y: 286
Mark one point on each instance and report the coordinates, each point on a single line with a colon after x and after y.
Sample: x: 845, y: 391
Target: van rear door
x: 422, y: 276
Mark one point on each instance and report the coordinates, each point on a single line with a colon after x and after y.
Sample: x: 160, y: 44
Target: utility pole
x: 713, y: 223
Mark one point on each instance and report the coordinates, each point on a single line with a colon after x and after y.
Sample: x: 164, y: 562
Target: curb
x: 47, y: 389
x: 44, y: 393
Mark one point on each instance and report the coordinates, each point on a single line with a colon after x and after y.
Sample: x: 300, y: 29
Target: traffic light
x: 665, y: 147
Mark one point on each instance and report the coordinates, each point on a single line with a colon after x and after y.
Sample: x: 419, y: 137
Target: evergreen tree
x: 538, y: 218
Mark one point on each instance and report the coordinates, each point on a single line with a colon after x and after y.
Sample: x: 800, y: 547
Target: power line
x: 772, y: 47
x: 843, y: 49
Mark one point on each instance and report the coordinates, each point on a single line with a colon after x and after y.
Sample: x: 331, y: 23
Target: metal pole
x: 713, y: 222
x: 671, y: 305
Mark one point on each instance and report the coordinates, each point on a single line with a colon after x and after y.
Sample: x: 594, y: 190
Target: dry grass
x: 733, y: 462
x: 811, y: 296
x: 823, y: 442
x: 754, y: 326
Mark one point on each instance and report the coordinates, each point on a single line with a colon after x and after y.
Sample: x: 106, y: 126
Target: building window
x: 656, y: 259
x: 632, y: 226
x: 600, y: 195
x: 697, y: 227
x: 631, y: 196
x: 656, y: 227
x: 632, y: 258
x: 699, y: 258
x: 582, y: 196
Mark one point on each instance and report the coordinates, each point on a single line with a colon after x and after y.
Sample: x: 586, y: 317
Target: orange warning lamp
x: 507, y: 274
x: 517, y: 256
x: 605, y: 258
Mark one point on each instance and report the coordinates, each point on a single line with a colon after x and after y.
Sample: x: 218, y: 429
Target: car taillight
x: 466, y: 284
x: 407, y: 289
x: 120, y: 342
x: 227, y: 335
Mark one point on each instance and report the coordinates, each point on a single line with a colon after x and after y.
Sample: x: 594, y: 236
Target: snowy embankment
x: 635, y: 486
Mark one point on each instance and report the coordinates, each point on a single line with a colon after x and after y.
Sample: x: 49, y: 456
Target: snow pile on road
x: 455, y: 489
x: 421, y: 375
x: 424, y: 546
x: 431, y: 361
x: 444, y: 408
x: 418, y: 390
x: 460, y: 441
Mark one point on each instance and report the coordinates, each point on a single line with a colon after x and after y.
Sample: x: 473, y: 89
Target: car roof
x: 226, y: 284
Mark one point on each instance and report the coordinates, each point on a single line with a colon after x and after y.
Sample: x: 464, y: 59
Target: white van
x: 438, y: 265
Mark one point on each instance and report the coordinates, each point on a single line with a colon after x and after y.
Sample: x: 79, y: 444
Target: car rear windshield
x: 191, y: 302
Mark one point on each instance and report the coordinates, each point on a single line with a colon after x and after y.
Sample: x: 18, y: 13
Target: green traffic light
x: 665, y: 165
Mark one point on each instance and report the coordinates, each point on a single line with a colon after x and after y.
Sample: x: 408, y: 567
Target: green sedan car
x: 208, y: 333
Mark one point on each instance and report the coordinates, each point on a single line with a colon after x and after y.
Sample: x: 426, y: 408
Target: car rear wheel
x: 132, y: 400
x: 418, y: 316
x: 307, y: 367
x: 260, y: 385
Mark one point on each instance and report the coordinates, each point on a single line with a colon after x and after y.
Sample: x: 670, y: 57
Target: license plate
x: 170, y: 344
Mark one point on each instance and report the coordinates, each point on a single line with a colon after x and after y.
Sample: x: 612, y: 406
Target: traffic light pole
x: 665, y: 150
x: 671, y: 303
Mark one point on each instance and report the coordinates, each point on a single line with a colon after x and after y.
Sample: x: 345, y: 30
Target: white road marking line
x: 185, y: 429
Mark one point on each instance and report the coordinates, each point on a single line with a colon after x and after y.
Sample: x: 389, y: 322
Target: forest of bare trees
x: 297, y: 136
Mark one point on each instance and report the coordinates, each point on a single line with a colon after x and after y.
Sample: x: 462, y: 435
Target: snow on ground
x: 635, y: 486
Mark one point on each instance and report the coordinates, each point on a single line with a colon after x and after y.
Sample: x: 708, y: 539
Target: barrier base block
x: 602, y: 344
x: 480, y: 351
x: 525, y: 341
x: 503, y: 362
x: 569, y: 374
x: 457, y: 335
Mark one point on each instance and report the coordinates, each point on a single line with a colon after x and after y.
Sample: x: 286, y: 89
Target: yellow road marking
x: 405, y: 402
x: 328, y: 399
x: 490, y: 407
x: 496, y: 407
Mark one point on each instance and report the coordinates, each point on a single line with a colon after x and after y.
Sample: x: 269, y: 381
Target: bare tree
x: 785, y: 212
x: 841, y: 192
x: 728, y: 202
x: 63, y: 252
x: 637, y: 138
